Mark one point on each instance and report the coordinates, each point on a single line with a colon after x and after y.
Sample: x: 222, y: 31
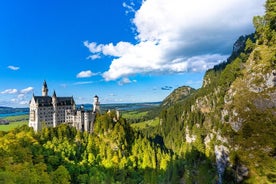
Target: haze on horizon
x: 123, y: 51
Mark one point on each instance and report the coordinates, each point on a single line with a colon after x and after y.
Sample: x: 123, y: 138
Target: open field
x: 134, y: 114
x: 12, y: 125
x: 145, y: 124
x: 15, y: 121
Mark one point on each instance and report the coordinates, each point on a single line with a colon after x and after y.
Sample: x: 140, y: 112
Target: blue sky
x: 121, y: 50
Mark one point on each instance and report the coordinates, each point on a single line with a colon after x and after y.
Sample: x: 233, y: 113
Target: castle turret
x: 44, y: 89
x: 54, y: 101
x: 96, y: 104
x: 87, y: 119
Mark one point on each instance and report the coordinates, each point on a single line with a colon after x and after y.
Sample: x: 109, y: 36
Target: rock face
x: 271, y: 79
x: 239, y: 44
x: 242, y: 172
x: 189, y: 138
x: 222, y: 160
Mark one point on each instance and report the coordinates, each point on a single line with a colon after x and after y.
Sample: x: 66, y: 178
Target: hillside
x: 10, y: 110
x: 177, y: 95
x: 231, y: 120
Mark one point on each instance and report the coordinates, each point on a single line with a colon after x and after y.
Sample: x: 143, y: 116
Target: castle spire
x: 96, y: 104
x: 44, y: 89
x: 54, y: 94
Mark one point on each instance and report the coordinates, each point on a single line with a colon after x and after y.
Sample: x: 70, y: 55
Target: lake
x: 13, y: 114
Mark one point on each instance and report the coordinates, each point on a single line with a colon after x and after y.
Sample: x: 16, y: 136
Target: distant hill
x: 10, y: 110
x: 177, y: 96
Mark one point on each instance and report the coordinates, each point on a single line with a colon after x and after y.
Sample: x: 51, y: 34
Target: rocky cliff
x: 231, y: 120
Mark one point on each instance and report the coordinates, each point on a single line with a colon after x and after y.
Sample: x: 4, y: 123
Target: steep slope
x: 231, y: 120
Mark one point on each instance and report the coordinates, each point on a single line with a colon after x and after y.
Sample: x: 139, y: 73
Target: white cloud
x: 92, y: 46
x: 13, y: 67
x: 20, y: 96
x: 124, y: 81
x: 24, y: 102
x: 14, y: 100
x: 179, y: 36
x: 118, y: 50
x: 129, y: 7
x: 81, y: 83
x: 85, y: 74
x: 21, y: 92
x: 27, y: 90
x: 9, y: 91
x: 93, y: 57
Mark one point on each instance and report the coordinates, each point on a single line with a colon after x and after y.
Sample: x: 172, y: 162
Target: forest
x: 114, y: 153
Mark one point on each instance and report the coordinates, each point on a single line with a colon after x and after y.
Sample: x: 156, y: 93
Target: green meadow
x: 15, y: 121
x: 145, y: 124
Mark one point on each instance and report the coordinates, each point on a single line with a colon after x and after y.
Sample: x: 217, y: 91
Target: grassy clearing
x: 12, y: 125
x: 134, y: 114
x: 146, y: 124
x: 15, y: 121
x: 17, y: 118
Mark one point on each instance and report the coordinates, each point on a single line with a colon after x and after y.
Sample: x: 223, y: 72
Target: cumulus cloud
x: 13, y: 67
x: 19, y: 97
x: 93, y: 57
x: 24, y: 102
x: 85, y: 74
x: 178, y: 36
x: 82, y: 83
x: 9, y: 91
x: 21, y: 92
x: 125, y: 80
x: 26, y: 90
x: 129, y: 7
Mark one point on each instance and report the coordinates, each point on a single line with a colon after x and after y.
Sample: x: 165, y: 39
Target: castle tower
x: 54, y: 101
x: 96, y: 104
x: 87, y: 117
x: 44, y: 89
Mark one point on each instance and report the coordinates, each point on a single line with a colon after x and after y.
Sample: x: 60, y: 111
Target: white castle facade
x: 51, y: 111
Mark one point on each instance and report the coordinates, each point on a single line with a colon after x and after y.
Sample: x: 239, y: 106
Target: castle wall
x: 33, y: 115
x: 61, y: 111
x: 45, y: 117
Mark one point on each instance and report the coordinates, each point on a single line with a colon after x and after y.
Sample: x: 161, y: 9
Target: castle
x: 51, y: 111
